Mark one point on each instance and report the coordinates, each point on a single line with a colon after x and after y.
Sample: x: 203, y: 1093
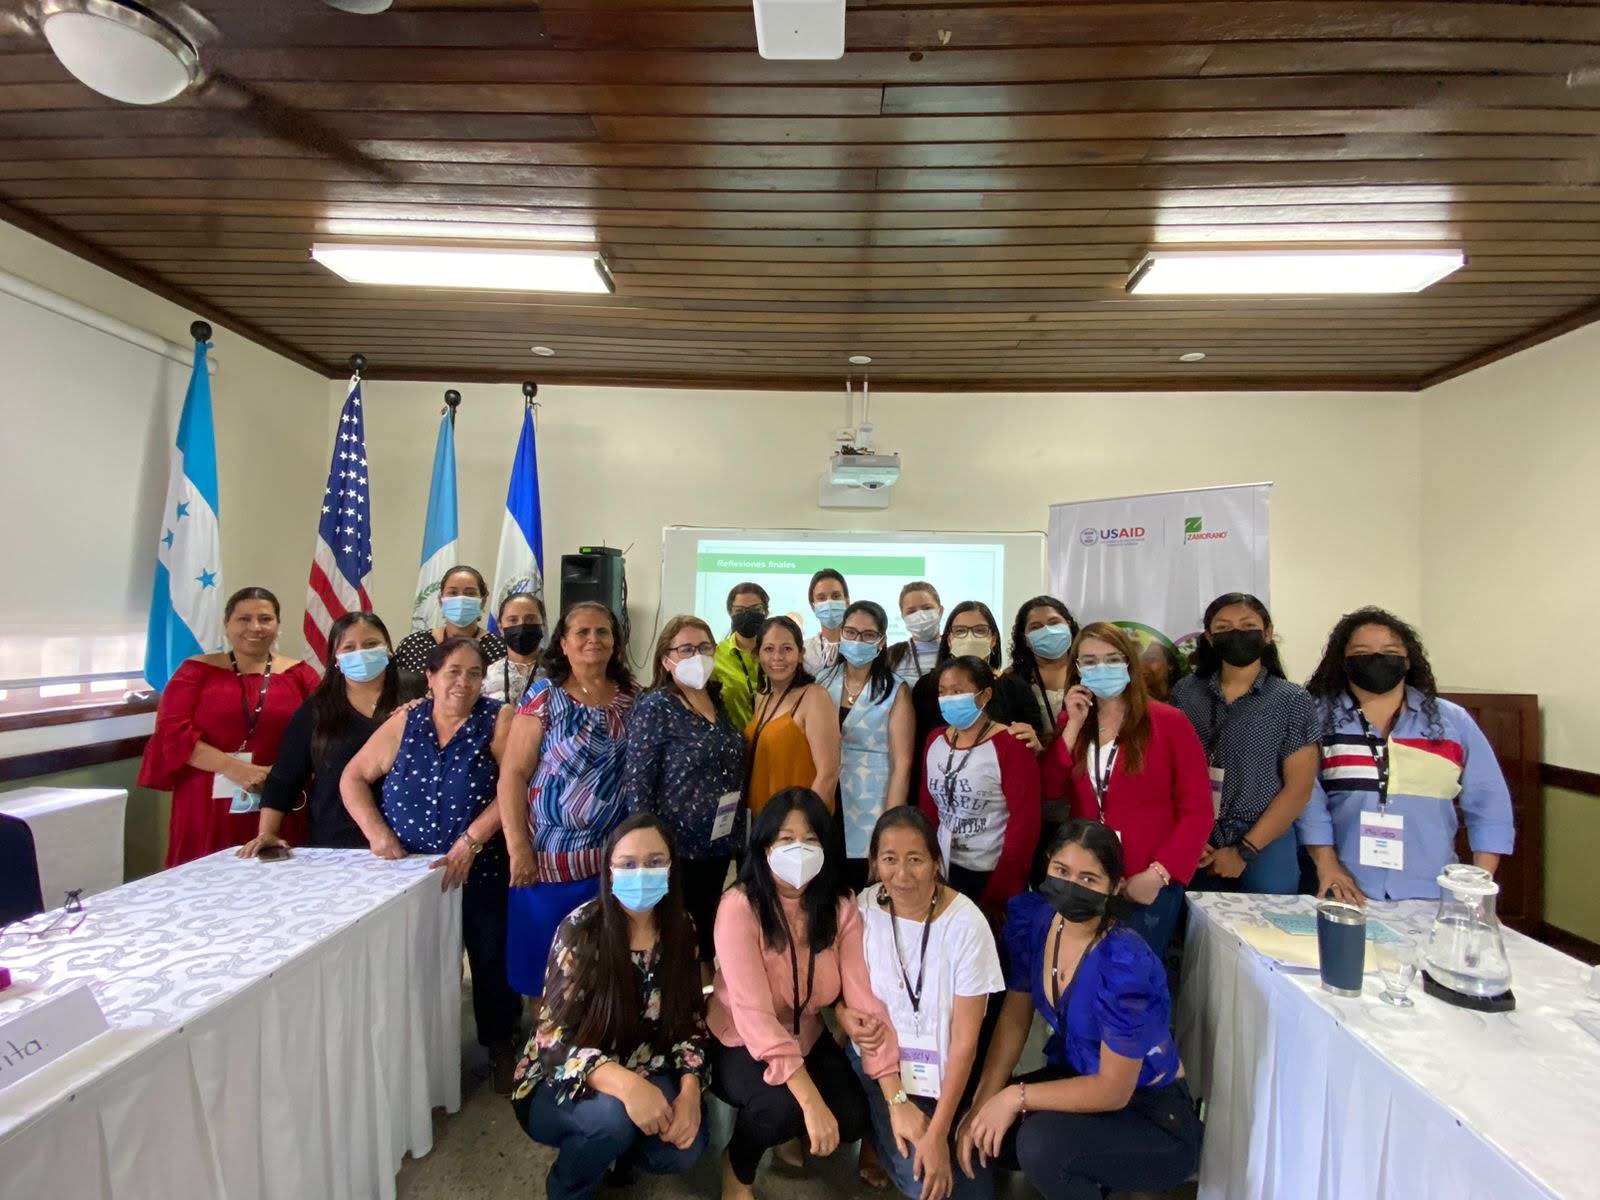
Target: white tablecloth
x: 279, y: 1030
x: 1316, y: 1097
x: 77, y: 835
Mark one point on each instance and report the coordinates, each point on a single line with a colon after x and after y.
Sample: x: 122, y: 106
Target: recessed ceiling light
x: 498, y: 268
x: 129, y: 54
x: 1192, y: 356
x: 1291, y: 272
x: 861, y: 360
x: 543, y: 351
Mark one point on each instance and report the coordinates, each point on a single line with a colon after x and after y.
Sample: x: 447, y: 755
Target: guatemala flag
x: 520, y: 565
x: 439, y: 537
x: 186, y: 601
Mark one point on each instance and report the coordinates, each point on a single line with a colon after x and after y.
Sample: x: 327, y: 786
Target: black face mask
x: 1073, y: 901
x: 1239, y: 647
x: 1376, y: 673
x: 748, y: 622
x: 523, y: 639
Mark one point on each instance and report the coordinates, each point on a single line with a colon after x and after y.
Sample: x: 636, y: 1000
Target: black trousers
x: 496, y: 1009
x: 768, y: 1116
x: 702, y: 892
x: 1152, y: 1145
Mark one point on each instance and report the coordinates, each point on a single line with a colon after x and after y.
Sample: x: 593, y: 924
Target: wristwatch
x: 475, y: 846
x: 900, y: 1097
x: 1246, y: 850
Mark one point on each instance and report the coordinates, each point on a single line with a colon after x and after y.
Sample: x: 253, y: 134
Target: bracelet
x: 1166, y: 876
x: 475, y: 847
x: 1249, y: 845
x: 1022, y: 1093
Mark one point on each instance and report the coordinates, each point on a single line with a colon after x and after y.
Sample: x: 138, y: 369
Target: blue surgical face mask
x: 363, y: 665
x: 640, y: 888
x: 1050, y: 642
x: 858, y: 654
x: 962, y: 710
x: 1105, y: 679
x: 830, y: 612
x: 461, y: 611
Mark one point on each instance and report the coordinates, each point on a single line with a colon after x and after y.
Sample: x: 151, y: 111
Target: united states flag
x: 342, y: 562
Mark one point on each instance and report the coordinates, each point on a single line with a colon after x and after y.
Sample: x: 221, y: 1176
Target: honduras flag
x: 439, y: 534
x: 520, y: 565
x: 186, y: 601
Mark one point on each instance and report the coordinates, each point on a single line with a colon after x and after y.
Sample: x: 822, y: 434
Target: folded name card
x: 38, y: 1037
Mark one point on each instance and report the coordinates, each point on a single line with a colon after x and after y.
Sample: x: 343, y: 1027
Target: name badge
x: 223, y: 788
x: 1383, y: 841
x: 1216, y: 791
x: 921, y: 1065
x: 946, y: 844
x: 727, y: 812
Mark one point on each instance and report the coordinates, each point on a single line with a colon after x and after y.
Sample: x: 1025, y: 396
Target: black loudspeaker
x: 594, y: 573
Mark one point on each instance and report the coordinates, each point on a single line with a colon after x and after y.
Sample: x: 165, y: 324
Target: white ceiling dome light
x: 120, y: 49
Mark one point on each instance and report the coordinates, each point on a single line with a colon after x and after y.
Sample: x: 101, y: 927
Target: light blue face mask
x: 640, y: 889
x: 858, y: 654
x: 461, y: 611
x: 1105, y: 679
x: 1050, y: 642
x: 363, y: 665
x: 830, y: 612
x: 962, y: 711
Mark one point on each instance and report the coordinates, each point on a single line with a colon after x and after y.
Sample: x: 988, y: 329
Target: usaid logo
x: 1124, y: 535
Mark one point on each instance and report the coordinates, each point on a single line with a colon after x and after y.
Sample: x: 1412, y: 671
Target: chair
x: 20, y: 896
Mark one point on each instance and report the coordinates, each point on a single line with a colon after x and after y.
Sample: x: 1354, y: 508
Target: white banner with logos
x: 1152, y: 563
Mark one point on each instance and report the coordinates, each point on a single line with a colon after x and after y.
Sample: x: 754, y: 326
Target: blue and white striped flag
x: 186, y: 601
x: 439, y: 535
x: 520, y: 564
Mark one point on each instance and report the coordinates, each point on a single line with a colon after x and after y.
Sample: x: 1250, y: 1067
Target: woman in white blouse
x: 521, y: 623
x: 933, y: 963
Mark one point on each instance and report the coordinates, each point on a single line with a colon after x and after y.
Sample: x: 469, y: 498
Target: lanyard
x: 1050, y: 714
x: 754, y: 681
x: 771, y: 710
x: 1063, y: 1000
x: 794, y: 973
x: 952, y: 769
x: 922, y: 961
x: 1380, y: 756
x: 1101, y: 782
x: 1221, y: 714
x: 251, y: 718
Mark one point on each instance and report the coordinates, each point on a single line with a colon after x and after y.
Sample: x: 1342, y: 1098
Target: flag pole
x: 358, y: 364
x: 200, y: 331
x: 452, y: 401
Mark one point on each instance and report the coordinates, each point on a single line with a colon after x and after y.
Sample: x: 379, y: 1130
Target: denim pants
x: 1275, y: 872
x: 593, y: 1134
x: 901, y: 1170
x: 1156, y: 921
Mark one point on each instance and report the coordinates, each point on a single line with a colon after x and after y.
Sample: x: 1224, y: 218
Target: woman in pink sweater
x: 788, y: 940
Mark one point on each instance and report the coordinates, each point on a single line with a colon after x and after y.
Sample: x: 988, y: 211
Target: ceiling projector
x: 812, y: 29
x: 863, y: 470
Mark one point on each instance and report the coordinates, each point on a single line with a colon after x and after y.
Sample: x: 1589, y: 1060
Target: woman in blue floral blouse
x: 613, y: 1074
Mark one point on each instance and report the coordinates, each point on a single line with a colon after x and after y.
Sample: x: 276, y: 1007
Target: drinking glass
x: 1397, y: 967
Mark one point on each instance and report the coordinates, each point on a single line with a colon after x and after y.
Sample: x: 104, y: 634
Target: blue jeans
x: 593, y: 1134
x: 1155, y: 922
x: 901, y: 1170
x: 1275, y: 872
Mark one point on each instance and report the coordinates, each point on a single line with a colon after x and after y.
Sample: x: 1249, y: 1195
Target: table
x: 77, y: 835
x: 279, y: 1030
x: 1317, y: 1097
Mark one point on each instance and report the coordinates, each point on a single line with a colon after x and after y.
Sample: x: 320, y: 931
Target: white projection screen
x: 698, y: 566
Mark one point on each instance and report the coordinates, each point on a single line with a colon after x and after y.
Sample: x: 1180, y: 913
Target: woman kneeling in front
x: 1111, y: 1109
x: 612, y: 1075
x: 788, y: 946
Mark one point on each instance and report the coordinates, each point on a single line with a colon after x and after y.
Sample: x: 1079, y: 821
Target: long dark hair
x: 821, y: 898
x: 331, y: 711
x: 1101, y: 841
x: 906, y: 816
x: 1024, y: 664
x: 1329, y: 684
x: 251, y: 593
x: 559, y: 670
x: 602, y: 1004
x: 1134, y: 736
x: 880, y: 674
x: 1208, y: 662
x: 802, y: 677
x: 979, y: 672
x: 982, y: 609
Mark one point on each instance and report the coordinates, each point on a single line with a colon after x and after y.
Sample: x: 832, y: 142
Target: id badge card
x: 727, y: 813
x: 1383, y: 843
x: 1217, y: 774
x: 223, y: 788
x: 921, y: 1065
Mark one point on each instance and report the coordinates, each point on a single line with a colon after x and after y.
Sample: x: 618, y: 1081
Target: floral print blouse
x: 551, y: 1056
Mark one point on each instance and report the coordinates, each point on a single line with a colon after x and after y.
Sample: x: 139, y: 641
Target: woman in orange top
x: 794, y: 734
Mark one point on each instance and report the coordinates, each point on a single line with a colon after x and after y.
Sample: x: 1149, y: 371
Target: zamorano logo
x: 1194, y: 530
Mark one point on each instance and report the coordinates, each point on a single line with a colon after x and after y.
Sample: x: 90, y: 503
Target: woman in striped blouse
x: 560, y: 791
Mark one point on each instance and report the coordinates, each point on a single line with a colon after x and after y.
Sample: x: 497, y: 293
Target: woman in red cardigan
x: 1137, y: 765
x: 980, y: 788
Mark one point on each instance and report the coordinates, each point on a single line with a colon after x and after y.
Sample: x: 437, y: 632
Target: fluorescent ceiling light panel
x: 510, y: 269
x: 800, y: 29
x: 1291, y: 272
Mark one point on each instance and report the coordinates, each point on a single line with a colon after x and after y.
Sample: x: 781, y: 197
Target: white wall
x: 1511, y: 534
x: 618, y: 464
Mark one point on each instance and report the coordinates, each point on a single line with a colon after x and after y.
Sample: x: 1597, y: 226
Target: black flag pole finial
x: 452, y: 401
x: 358, y: 363
x: 530, y: 389
x: 200, y: 331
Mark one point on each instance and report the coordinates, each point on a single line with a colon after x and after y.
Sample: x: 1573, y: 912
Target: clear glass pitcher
x: 1465, y: 951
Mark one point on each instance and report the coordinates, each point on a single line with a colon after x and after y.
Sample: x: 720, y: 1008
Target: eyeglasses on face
x: 870, y: 636
x: 982, y: 631
x: 1109, y: 660
x: 690, y: 649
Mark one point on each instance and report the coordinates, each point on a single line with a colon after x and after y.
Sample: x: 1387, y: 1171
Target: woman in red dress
x: 217, y: 732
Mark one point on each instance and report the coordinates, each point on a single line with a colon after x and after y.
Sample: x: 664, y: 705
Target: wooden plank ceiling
x: 961, y: 196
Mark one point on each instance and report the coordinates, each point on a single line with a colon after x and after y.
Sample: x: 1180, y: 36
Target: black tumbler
x: 1341, y: 946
